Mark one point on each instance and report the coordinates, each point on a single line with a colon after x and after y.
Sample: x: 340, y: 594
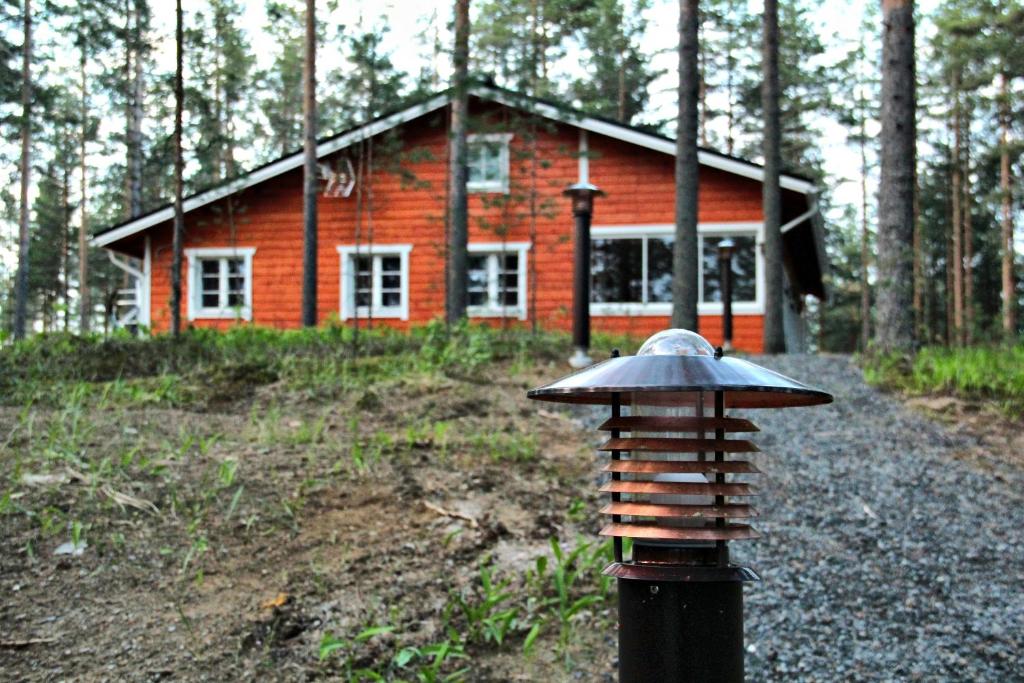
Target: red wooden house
x: 382, y: 229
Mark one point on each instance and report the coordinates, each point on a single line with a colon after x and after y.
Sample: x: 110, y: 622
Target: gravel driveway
x: 884, y: 556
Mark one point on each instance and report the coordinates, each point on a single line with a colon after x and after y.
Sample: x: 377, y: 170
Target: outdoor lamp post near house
x: 582, y: 195
x: 679, y: 497
x: 726, y: 248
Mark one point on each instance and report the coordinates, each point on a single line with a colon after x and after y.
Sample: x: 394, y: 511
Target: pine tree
x: 458, y: 210
x: 684, y: 250
x: 179, y: 163
x: 309, y: 217
x: 618, y: 72
x: 280, y: 107
x: 774, y: 333
x: 21, y: 282
x: 894, y: 322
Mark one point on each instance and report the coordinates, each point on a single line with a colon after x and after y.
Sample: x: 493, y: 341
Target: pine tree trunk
x: 685, y: 259
x: 918, y: 250
x: 894, y: 302
x: 84, y: 293
x: 968, y: 334
x: 179, y: 214
x: 309, y: 252
x: 138, y: 94
x: 957, y: 223
x: 865, y: 249
x: 21, y: 279
x: 65, y: 246
x: 774, y: 332
x: 1006, y: 224
x: 458, y: 202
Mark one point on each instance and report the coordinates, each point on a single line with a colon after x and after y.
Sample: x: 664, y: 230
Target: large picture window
x: 220, y: 283
x: 631, y: 269
x: 744, y: 269
x: 497, y: 279
x: 487, y: 162
x: 375, y: 281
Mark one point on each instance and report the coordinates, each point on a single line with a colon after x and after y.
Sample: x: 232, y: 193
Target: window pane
x: 364, y: 264
x: 484, y: 162
x: 659, y: 269
x: 476, y: 287
x: 236, y: 299
x: 391, y: 298
x: 209, y: 283
x: 617, y: 270
x: 210, y: 300
x: 744, y: 276
x: 391, y: 264
x: 210, y: 267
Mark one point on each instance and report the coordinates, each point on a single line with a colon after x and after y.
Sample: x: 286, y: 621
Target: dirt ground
x: 225, y: 544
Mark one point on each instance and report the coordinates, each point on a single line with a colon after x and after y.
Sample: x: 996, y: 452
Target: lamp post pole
x: 726, y: 248
x: 582, y: 195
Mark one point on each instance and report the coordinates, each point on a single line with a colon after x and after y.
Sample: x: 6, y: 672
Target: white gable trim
x: 584, y: 123
x: 636, y: 137
x: 272, y: 170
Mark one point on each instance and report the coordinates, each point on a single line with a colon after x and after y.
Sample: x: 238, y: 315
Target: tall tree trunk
x: 65, y: 246
x: 21, y: 279
x: 1006, y: 224
x: 918, y: 248
x: 957, y: 221
x: 179, y: 213
x: 865, y: 248
x: 309, y: 251
x: 84, y: 293
x: 138, y: 94
x: 685, y: 259
x: 774, y: 331
x: 895, y: 318
x: 458, y: 210
x: 968, y: 334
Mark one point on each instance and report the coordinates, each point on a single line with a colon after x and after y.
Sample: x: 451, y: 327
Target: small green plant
x: 489, y: 613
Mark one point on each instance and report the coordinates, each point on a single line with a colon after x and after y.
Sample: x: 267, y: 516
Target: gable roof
x: 545, y: 108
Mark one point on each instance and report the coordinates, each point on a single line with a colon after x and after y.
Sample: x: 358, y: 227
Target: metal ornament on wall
x: 339, y: 179
x: 679, y: 494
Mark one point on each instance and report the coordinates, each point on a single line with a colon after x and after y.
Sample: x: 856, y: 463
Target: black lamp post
x: 680, y: 599
x: 582, y: 195
x: 726, y: 248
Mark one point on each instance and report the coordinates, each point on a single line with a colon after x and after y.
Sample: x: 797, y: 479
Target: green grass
x: 977, y: 373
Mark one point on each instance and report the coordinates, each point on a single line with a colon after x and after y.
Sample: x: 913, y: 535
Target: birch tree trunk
x: 21, y: 279
x: 774, y: 333
x: 179, y: 214
x: 458, y: 210
x: 1006, y: 224
x: 685, y: 259
x: 309, y: 217
x: 895, y: 318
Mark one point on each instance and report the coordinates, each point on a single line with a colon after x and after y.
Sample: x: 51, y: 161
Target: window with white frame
x: 497, y: 279
x: 220, y: 283
x: 744, y: 269
x: 631, y: 269
x: 375, y: 281
x: 487, y: 162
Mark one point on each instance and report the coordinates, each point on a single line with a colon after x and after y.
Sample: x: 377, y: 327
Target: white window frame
x: 755, y: 229
x: 347, y: 253
x: 502, y: 184
x: 196, y: 310
x: 498, y: 249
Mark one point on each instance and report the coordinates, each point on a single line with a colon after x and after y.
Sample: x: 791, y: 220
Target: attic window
x: 487, y: 162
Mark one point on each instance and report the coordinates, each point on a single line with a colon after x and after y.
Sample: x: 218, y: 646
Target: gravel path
x: 884, y: 556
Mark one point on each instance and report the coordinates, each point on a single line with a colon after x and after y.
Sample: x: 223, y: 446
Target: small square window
x: 487, y: 163
x: 494, y: 283
x: 375, y: 284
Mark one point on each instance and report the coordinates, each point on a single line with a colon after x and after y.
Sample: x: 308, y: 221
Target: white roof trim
x: 270, y: 171
x: 586, y: 123
x: 636, y: 137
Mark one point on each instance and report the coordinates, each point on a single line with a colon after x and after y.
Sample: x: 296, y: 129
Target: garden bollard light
x: 680, y: 599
